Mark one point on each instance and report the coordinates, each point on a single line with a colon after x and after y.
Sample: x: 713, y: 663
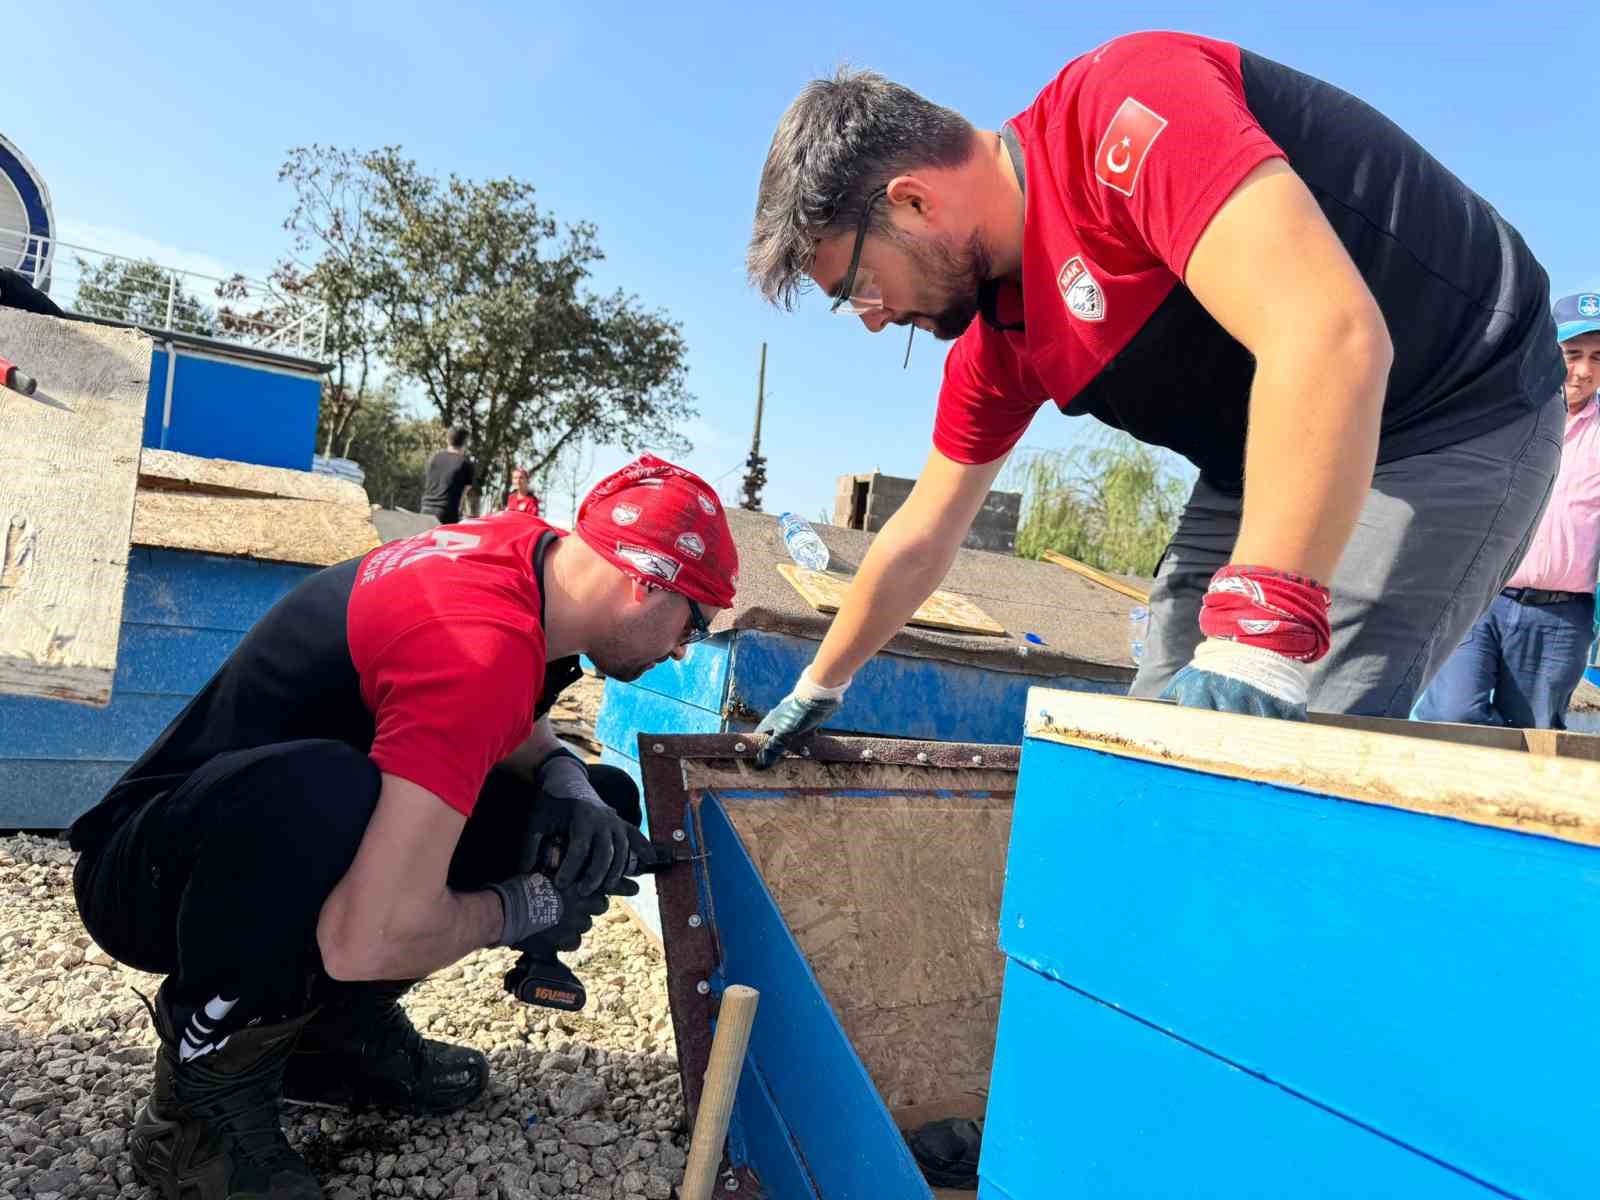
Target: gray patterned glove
x: 534, y: 905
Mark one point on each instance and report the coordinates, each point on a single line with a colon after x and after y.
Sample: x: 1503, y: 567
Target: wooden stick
x: 734, y: 1019
x: 1131, y: 591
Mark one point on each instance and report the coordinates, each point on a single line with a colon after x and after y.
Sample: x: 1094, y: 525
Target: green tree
x: 390, y: 444
x: 1113, y: 503
x: 484, y: 301
x: 141, y: 293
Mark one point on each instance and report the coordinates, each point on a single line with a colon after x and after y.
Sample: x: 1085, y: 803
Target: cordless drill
x: 538, y: 976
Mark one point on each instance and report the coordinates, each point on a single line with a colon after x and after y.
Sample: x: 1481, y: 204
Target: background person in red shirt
x: 519, y: 498
x: 1187, y: 240
x: 1521, y: 662
x: 351, y: 803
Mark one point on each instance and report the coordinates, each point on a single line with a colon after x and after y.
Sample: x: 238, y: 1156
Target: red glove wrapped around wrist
x: 1275, y: 610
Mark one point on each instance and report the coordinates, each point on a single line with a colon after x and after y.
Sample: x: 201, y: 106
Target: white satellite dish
x: 27, y: 222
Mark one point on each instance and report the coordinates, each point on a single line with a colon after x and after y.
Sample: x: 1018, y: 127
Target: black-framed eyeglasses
x: 845, y: 293
x: 699, y: 630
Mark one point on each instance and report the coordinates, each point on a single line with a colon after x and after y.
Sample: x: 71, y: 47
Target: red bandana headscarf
x: 663, y: 526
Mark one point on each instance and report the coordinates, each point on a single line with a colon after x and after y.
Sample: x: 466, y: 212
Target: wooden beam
x: 66, y: 502
x: 169, y: 471
x: 1529, y: 793
x: 311, y: 532
x: 1131, y: 591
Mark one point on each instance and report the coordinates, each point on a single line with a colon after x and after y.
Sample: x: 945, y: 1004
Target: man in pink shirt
x: 1520, y: 663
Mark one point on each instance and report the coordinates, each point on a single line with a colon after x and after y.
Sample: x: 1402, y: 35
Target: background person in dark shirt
x: 351, y: 803
x: 451, y: 476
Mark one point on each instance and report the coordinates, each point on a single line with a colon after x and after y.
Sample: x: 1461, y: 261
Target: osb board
x: 825, y: 591
x: 66, y: 502
x: 1557, y: 797
x: 895, y: 901
x: 167, y: 470
x: 310, y: 532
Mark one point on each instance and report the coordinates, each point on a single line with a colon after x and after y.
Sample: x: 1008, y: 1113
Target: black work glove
x: 599, y: 839
x: 535, y: 907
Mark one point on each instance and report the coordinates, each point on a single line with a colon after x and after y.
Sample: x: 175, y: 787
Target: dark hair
x: 839, y: 141
x: 457, y: 437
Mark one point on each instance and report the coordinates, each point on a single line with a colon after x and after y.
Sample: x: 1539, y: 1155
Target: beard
x: 619, y: 656
x: 956, y: 274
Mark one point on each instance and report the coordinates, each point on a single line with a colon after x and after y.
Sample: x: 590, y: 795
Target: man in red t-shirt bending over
x: 350, y: 805
x: 1184, y: 240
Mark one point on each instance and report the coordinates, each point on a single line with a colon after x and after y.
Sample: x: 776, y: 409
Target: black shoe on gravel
x: 362, y: 1051
x: 210, y: 1128
x: 947, y: 1152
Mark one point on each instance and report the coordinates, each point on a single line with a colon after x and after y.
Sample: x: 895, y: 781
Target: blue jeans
x: 1517, y: 666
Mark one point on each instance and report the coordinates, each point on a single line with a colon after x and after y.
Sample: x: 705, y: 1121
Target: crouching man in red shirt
x: 350, y: 805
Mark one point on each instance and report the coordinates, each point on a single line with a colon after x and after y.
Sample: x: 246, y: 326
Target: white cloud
x: 110, y: 240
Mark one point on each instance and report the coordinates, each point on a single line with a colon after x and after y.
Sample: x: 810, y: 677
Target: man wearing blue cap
x: 1520, y: 663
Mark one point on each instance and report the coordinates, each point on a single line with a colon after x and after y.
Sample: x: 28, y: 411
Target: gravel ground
x: 578, y: 1104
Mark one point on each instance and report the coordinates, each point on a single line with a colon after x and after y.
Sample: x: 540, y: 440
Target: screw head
x: 977, y: 760
x: 696, y: 920
x: 922, y: 756
x: 703, y: 988
x: 866, y: 754
x: 738, y: 747
x: 659, y: 748
x: 678, y: 835
x: 731, y: 1183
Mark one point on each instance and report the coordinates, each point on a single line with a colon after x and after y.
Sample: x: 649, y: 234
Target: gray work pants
x: 1439, y: 535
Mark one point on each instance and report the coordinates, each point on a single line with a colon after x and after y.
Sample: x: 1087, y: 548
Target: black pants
x: 220, y: 881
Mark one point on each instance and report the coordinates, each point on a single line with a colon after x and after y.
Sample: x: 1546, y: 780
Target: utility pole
x: 755, y: 474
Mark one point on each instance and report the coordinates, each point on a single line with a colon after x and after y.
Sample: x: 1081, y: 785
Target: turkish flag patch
x: 1126, y: 142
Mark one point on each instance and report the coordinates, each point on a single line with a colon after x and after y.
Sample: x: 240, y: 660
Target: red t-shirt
x: 1129, y: 153
x: 445, y: 635
x: 524, y: 504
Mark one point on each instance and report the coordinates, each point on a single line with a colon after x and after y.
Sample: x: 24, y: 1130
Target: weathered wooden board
x: 169, y: 471
x: 66, y: 502
x: 311, y: 532
x: 1559, y: 743
x: 1530, y: 793
x: 824, y: 591
x: 1129, y: 590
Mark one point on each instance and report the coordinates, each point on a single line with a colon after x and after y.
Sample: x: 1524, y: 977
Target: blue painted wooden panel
x: 896, y: 695
x: 234, y: 409
x: 626, y: 711
x: 31, y: 728
x: 701, y: 678
x: 757, y: 1134
x: 1433, y: 979
x: 46, y: 794
x: 1087, y: 1101
x: 203, y: 591
x: 168, y: 659
x: 833, y: 1114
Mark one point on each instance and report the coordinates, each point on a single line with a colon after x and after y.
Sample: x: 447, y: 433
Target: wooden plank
x: 310, y: 532
x: 66, y: 502
x: 1430, y: 978
x: 1559, y: 743
x: 167, y: 470
x: 1132, y: 591
x: 1089, y: 1102
x: 1553, y: 797
x: 824, y: 591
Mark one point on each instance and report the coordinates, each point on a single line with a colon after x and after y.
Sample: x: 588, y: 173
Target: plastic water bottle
x: 1138, y: 631
x: 805, y: 547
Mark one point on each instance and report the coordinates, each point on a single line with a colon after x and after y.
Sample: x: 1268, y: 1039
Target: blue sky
x: 160, y: 132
